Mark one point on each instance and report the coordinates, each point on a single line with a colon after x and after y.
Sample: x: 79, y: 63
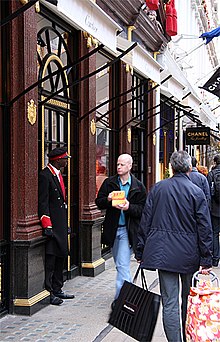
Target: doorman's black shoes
x: 63, y: 295
x: 55, y: 300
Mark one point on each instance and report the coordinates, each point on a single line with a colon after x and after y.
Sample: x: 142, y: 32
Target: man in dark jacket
x: 175, y: 237
x: 215, y: 209
x: 53, y: 215
x: 200, y: 180
x: 121, y: 222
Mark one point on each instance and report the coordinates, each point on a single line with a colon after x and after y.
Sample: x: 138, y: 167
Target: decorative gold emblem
x: 129, y: 135
x: 32, y: 112
x: 37, y: 7
x: 91, y: 41
x: 23, y: 2
x: 93, y: 127
x: 129, y: 68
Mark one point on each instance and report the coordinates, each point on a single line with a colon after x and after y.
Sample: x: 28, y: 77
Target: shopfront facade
x: 84, y: 75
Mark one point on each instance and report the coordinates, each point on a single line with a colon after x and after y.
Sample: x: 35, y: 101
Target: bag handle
x: 143, y: 279
x: 212, y: 274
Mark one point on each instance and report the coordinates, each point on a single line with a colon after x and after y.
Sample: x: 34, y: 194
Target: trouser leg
x: 49, y: 271
x: 215, y: 229
x: 169, y: 288
x: 57, y: 280
x: 121, y: 252
x: 186, y: 280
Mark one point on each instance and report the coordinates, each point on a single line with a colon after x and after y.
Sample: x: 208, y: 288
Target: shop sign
x: 198, y: 136
x: 213, y: 84
x: 144, y: 63
x: 174, y: 87
x: 89, y: 17
x: 140, y: 60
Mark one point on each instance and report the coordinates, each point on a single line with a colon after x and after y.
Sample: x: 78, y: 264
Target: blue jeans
x: 169, y: 288
x: 121, y: 252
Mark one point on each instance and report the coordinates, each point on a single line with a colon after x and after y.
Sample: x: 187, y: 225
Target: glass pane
x: 46, y: 126
x: 54, y: 125
x: 102, y: 156
x: 61, y: 128
x: 46, y: 151
x: 102, y: 91
x: 102, y: 119
x: 134, y: 97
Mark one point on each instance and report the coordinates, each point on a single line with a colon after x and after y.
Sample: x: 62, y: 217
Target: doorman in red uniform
x: 53, y: 215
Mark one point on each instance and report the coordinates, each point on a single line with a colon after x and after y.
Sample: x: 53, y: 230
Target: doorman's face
x: 63, y: 162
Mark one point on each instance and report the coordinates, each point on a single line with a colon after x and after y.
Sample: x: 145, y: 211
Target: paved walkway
x: 83, y: 319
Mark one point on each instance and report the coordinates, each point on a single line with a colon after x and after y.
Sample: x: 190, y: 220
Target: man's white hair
x: 128, y: 158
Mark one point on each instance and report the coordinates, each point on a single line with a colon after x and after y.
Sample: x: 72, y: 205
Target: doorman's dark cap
x: 58, y: 153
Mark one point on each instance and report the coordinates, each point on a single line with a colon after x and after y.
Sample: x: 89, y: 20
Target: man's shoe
x: 63, y: 295
x: 55, y: 300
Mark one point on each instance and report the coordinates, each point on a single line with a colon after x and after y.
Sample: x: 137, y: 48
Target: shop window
x: 102, y: 118
x: 167, y: 124
x: 139, y: 99
x: 53, y: 54
x: 102, y: 156
x: 139, y: 114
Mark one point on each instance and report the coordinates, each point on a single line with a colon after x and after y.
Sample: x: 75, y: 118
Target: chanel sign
x: 198, y: 136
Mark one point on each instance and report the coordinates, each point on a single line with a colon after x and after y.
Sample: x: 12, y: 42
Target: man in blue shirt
x: 122, y: 221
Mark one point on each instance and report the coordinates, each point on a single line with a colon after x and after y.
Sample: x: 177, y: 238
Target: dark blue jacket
x: 175, y: 231
x: 201, y: 181
x: 215, y: 206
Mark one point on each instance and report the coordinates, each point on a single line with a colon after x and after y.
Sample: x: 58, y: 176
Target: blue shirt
x: 126, y: 188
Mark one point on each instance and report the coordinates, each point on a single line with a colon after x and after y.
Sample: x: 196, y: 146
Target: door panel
x: 58, y: 115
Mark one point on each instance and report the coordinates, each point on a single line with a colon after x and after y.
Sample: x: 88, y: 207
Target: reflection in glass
x: 102, y: 119
x: 61, y: 128
x: 102, y: 156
